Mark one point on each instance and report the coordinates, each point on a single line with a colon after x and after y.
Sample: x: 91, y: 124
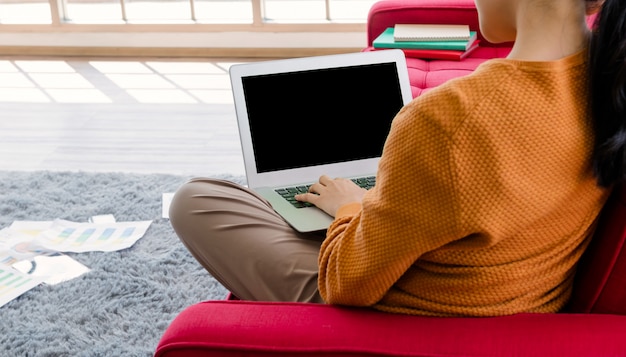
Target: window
x: 183, y: 11
x: 183, y: 28
x: 25, y: 12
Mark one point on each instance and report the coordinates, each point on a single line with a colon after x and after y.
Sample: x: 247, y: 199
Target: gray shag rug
x: 125, y: 303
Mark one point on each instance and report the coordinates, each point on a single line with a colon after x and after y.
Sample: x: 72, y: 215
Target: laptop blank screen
x: 314, y: 117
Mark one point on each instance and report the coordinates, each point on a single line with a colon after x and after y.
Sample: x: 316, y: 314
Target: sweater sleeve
x: 411, y: 210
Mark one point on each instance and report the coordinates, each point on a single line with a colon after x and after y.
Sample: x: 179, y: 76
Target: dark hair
x: 608, y: 92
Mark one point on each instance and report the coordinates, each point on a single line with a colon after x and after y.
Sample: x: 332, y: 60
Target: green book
x: 385, y: 40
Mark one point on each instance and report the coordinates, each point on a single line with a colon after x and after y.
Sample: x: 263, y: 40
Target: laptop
x: 301, y: 118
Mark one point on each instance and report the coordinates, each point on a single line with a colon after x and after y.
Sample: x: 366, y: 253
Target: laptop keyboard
x: 288, y: 193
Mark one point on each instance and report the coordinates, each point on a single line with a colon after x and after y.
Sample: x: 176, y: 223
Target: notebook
x: 301, y: 118
x: 431, y: 32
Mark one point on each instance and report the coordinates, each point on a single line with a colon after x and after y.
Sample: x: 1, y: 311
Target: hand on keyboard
x: 329, y: 194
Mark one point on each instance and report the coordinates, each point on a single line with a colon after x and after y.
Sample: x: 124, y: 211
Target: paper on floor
x: 66, y: 236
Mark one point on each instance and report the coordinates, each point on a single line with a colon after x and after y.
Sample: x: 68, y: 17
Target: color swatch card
x: 14, y: 283
x: 66, y: 236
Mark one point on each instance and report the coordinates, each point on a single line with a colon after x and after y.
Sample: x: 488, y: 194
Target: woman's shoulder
x: 498, y: 84
x: 452, y: 102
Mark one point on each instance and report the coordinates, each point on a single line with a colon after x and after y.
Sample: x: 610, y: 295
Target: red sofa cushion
x: 600, y: 285
x: 243, y: 328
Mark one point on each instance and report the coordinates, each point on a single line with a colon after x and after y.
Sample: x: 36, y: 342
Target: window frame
x: 278, y: 39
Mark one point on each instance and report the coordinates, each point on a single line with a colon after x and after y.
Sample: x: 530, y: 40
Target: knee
x: 193, y: 200
x: 182, y: 205
x: 178, y: 204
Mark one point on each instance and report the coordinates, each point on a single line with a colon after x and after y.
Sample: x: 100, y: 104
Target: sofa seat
x: 244, y: 328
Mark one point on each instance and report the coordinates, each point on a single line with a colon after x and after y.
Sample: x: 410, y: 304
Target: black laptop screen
x: 306, y: 118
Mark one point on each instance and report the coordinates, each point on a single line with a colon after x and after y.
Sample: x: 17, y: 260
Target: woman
x: 487, y: 191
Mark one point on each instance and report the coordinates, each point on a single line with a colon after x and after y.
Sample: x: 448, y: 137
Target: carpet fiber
x: 125, y: 303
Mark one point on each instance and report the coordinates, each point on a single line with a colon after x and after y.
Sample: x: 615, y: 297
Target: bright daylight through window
x: 182, y: 11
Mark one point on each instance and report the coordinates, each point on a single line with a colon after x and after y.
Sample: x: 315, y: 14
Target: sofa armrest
x: 387, y: 13
x: 599, y: 286
x: 242, y: 328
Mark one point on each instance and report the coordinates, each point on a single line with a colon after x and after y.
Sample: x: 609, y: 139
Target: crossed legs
x: 239, y: 239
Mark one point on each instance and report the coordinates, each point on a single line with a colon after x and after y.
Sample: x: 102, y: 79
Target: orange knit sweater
x: 484, y: 199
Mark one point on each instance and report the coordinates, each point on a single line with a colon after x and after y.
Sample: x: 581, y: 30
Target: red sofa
x: 594, y: 324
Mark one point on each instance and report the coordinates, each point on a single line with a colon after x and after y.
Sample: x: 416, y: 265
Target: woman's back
x: 509, y: 197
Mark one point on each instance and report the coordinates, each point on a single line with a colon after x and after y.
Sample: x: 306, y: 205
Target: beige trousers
x: 239, y: 239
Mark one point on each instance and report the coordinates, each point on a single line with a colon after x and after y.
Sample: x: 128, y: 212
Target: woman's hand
x: 329, y: 194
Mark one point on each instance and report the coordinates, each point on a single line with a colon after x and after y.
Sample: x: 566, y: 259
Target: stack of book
x: 452, y: 42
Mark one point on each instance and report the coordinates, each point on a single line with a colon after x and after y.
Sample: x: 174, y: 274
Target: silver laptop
x: 304, y: 117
